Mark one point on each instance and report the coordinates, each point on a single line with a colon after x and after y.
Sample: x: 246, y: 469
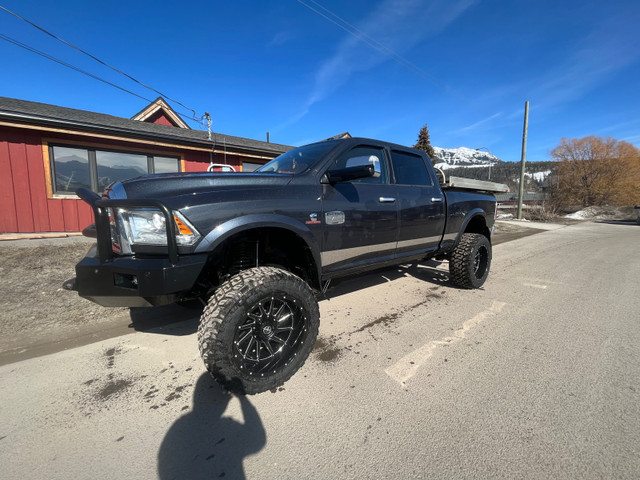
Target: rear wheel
x: 258, y: 329
x: 470, y: 261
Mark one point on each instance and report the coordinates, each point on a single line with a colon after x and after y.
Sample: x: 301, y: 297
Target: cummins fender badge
x: 334, y: 218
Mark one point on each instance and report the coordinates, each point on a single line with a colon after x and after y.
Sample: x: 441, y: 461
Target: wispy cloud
x: 397, y: 25
x: 291, y: 120
x: 478, y: 124
x: 279, y: 39
x: 635, y: 123
x: 635, y: 139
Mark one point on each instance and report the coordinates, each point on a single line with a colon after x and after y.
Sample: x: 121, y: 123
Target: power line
x: 68, y: 65
x: 15, y: 42
x: 373, y: 43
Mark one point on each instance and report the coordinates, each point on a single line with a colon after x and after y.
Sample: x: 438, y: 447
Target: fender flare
x: 476, y: 212
x: 262, y: 220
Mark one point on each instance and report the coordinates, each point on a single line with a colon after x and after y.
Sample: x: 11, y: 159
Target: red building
x: 47, y: 152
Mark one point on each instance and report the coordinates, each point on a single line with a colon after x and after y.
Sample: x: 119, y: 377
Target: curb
x: 37, y: 236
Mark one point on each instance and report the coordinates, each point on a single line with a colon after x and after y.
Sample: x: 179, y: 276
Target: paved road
x: 535, y: 376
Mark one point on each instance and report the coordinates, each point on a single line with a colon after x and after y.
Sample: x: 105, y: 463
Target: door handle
x: 386, y: 200
x: 436, y: 199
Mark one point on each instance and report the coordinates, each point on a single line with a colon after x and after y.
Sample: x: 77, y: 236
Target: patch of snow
x: 583, y: 214
x: 464, y: 157
x: 446, y: 166
x: 539, y: 176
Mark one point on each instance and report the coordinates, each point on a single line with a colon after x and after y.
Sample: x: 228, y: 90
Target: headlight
x: 147, y: 226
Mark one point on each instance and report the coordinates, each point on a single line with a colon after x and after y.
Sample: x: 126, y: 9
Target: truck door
x: 421, y: 205
x: 360, y: 216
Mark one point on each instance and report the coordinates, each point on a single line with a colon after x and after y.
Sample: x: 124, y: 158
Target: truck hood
x: 173, y: 185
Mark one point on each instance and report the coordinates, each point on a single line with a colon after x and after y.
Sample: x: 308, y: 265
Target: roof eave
x: 129, y: 133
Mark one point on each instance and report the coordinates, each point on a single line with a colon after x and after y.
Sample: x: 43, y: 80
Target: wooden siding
x: 199, y: 161
x: 26, y: 202
x: 160, y: 118
x: 8, y: 217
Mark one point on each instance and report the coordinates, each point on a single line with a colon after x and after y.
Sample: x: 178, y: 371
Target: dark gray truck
x: 258, y: 247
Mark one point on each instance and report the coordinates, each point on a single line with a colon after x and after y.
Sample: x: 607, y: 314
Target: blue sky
x: 464, y: 67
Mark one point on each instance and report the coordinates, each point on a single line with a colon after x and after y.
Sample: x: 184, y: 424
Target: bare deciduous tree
x: 597, y: 171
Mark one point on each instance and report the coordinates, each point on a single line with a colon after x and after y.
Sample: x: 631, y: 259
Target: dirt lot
x: 38, y: 316
x: 34, y: 307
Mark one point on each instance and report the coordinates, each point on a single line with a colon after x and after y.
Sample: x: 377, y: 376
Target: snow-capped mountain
x: 464, y: 157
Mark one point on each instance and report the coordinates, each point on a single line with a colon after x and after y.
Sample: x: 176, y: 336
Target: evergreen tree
x: 424, y: 143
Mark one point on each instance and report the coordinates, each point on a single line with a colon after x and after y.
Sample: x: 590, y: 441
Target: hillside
x: 480, y: 165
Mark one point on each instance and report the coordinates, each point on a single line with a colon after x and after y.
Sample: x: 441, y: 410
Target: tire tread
x: 461, y: 261
x: 224, y: 302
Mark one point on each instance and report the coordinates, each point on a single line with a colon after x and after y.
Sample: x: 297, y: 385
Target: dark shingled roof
x: 35, y: 113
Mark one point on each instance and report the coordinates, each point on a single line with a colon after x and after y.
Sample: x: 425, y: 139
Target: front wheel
x: 258, y: 329
x: 470, y: 261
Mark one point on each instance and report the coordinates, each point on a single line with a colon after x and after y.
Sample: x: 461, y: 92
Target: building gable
x: 161, y: 113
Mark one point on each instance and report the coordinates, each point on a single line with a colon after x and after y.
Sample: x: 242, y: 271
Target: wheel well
x: 267, y: 246
x: 478, y: 225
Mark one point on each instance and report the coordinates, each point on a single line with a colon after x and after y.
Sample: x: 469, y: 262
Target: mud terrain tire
x: 258, y: 329
x: 470, y: 261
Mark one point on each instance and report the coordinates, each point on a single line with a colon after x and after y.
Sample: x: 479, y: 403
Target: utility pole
x: 523, y: 158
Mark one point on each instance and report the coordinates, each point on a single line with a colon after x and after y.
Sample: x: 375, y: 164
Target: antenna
x: 208, y: 117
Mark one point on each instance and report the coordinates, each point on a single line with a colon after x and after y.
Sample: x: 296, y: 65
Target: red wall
x: 199, y: 161
x: 160, y: 118
x: 24, y: 205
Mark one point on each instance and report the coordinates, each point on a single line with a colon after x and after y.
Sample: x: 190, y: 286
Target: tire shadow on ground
x: 170, y: 319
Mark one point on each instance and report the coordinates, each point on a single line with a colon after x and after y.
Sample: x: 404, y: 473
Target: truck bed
x: 471, y: 184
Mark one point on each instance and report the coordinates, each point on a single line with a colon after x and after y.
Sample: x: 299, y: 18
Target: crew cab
x: 257, y: 248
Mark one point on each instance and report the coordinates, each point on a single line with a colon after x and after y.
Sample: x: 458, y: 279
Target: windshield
x: 297, y: 160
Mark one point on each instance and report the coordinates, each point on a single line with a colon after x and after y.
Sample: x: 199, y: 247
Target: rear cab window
x: 410, y: 169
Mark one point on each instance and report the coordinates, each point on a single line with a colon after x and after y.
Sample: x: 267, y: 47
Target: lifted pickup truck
x: 258, y: 247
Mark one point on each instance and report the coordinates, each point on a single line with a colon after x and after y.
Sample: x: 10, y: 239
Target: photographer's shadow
x: 204, y: 444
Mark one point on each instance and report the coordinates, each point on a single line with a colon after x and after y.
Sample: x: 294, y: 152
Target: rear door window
x: 410, y: 169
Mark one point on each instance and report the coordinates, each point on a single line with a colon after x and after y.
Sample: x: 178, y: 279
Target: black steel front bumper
x: 133, y: 281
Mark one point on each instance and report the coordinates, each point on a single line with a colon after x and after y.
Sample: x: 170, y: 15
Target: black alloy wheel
x: 270, y: 335
x: 258, y: 329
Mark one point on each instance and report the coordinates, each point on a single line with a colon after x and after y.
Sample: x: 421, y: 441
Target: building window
x: 165, y: 164
x: 114, y: 166
x: 96, y: 169
x: 71, y: 169
x: 250, y: 167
